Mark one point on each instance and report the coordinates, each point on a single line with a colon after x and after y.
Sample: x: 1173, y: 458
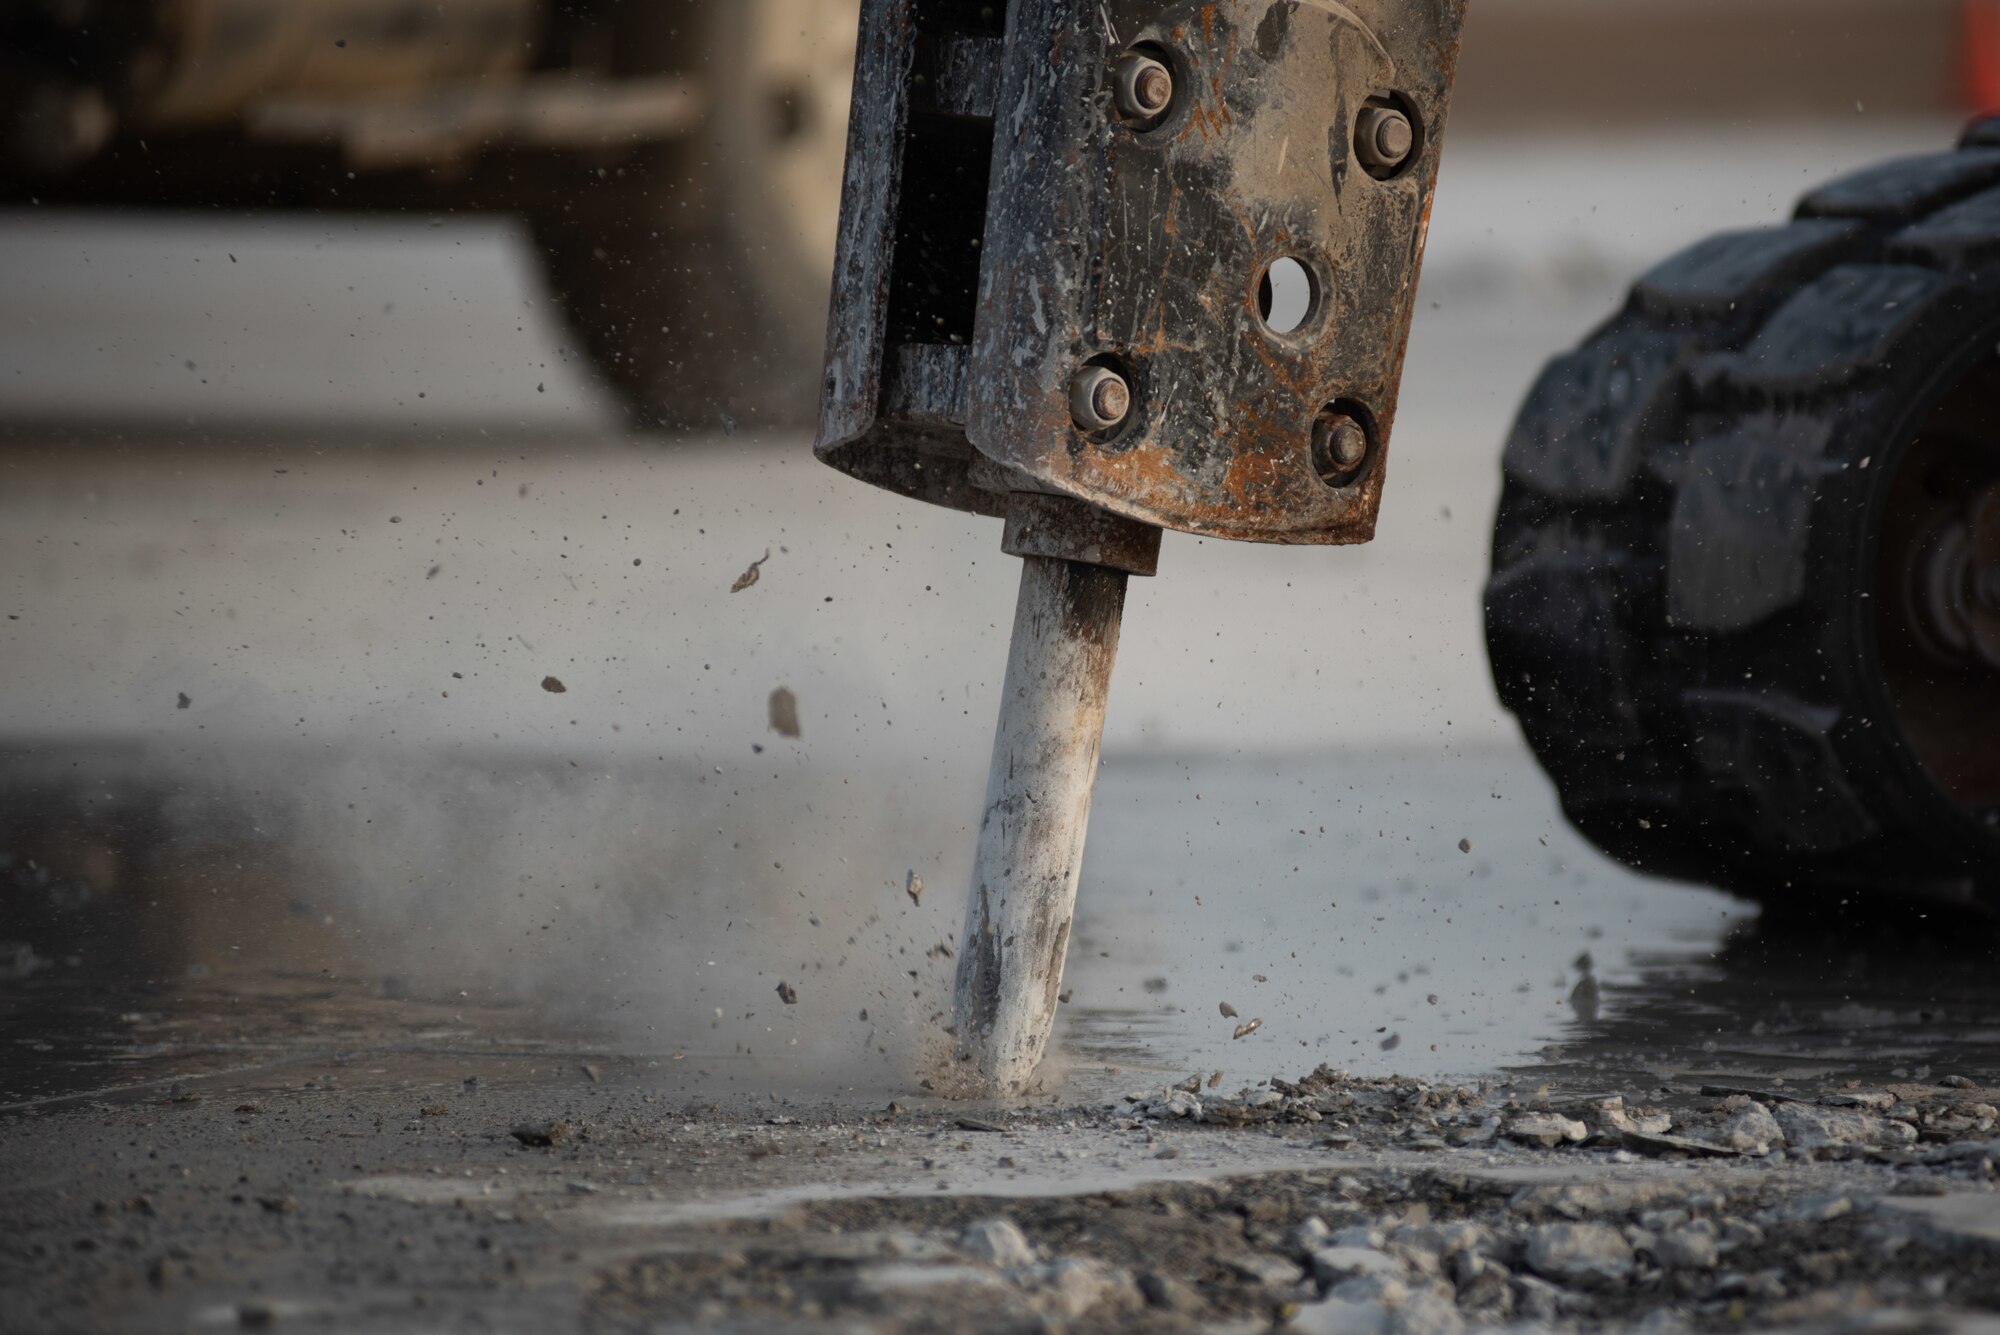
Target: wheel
x: 1745, y: 596
x: 697, y: 273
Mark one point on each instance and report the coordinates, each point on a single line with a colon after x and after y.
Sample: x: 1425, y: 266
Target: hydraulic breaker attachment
x: 1108, y: 267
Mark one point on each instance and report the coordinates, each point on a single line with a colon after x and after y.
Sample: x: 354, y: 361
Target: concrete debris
x: 1337, y: 1316
x: 913, y: 886
x: 1311, y: 1234
x: 997, y: 1242
x: 1579, y: 1253
x: 1676, y: 1146
x: 1248, y: 1028
x: 1751, y: 1129
x: 1612, y: 1120
x: 1264, y: 1268
x: 751, y: 575
x: 1334, y: 1265
x: 1692, y: 1247
x: 784, y: 712
x: 788, y: 994
x: 1546, y: 1129
x: 1070, y: 1289
x: 1869, y: 1100
x: 1810, y: 1128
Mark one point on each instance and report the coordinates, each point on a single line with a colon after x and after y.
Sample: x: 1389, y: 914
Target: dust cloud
x: 655, y: 908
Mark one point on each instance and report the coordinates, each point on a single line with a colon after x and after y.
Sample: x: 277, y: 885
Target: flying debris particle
x: 913, y: 887
x: 941, y: 950
x: 1228, y: 1011
x: 553, y: 685
x: 432, y: 573
x: 1215, y: 1081
x: 751, y: 575
x: 181, y: 700
x: 1465, y: 845
x: 788, y: 994
x: 784, y: 713
x: 1392, y: 1042
x: 1245, y: 1030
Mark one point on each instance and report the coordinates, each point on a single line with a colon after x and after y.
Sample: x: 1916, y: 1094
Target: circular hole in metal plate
x: 1285, y: 296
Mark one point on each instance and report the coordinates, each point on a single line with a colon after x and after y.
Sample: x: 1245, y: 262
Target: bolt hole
x: 1285, y: 296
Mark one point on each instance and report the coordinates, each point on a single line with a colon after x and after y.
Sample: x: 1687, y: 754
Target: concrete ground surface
x: 355, y: 978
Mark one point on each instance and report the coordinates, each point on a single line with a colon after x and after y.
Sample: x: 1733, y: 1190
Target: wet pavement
x: 296, y: 844
x: 152, y: 942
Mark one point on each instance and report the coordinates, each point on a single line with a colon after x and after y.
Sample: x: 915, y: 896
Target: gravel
x: 1579, y: 1253
x: 998, y: 1242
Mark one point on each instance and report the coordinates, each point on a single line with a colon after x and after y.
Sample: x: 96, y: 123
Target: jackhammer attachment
x: 1108, y: 267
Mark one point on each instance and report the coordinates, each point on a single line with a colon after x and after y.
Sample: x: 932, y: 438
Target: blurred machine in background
x: 679, y: 161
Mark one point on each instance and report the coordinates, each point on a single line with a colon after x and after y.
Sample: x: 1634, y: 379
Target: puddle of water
x: 1328, y: 896
x: 1782, y: 1004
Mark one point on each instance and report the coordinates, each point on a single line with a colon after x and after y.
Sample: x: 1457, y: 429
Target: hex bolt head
x: 1143, y: 87
x: 1099, y: 399
x: 1339, y: 446
x: 1383, y: 138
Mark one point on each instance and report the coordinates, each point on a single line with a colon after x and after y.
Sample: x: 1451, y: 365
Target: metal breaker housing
x: 1011, y: 220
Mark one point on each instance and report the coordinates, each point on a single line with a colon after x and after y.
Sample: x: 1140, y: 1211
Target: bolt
x: 1383, y: 138
x: 1339, y: 445
x: 1099, y: 398
x: 1144, y: 87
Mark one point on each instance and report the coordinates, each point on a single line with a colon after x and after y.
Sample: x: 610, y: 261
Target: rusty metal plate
x: 1007, y: 223
x: 1147, y: 246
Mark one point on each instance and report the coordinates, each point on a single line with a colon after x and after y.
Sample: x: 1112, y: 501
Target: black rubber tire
x: 665, y: 313
x: 664, y: 263
x: 1681, y: 611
